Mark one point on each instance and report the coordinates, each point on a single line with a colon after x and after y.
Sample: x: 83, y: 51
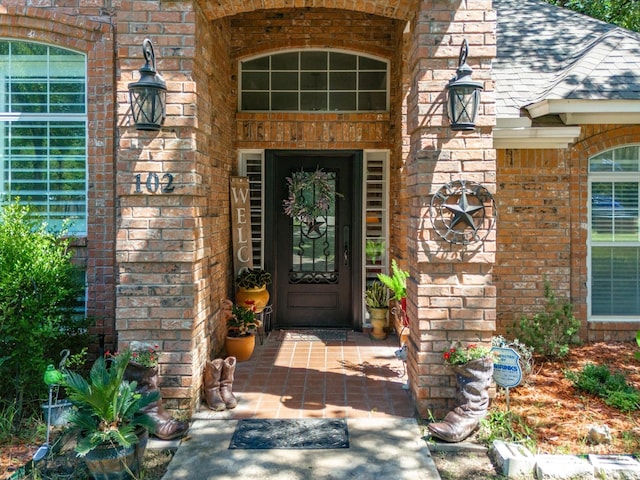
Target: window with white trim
x: 614, y: 245
x: 314, y: 81
x: 43, y: 131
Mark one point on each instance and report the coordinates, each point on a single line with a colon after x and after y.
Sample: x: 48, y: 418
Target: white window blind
x: 614, y: 246
x: 43, y: 131
x: 252, y: 166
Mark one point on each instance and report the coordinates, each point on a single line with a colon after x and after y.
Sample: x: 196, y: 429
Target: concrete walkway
x: 380, y: 448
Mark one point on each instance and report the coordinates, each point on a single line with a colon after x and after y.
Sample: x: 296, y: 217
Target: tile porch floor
x: 359, y: 378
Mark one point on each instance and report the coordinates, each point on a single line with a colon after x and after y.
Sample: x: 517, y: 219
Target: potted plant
x: 251, y: 285
x: 241, y: 328
x: 377, y: 300
x: 109, y: 418
x: 473, y: 366
x: 397, y: 283
x: 374, y: 249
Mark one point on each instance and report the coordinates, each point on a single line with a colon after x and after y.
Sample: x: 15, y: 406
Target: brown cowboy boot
x: 166, y: 427
x: 226, y: 382
x: 473, y: 379
x: 211, y: 384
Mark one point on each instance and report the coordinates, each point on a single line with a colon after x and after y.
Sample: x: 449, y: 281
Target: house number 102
x: 155, y: 182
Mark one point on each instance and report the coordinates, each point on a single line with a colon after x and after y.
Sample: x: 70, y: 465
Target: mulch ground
x: 559, y: 415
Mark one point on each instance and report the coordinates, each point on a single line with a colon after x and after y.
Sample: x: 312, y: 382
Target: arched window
x: 314, y: 81
x: 43, y: 131
x: 614, y: 245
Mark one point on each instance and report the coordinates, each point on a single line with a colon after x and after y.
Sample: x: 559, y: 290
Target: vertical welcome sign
x: 241, y: 224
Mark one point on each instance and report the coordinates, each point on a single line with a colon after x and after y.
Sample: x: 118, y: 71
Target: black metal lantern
x: 463, y: 97
x: 148, y: 96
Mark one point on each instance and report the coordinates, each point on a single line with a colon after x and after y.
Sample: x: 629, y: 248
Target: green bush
x: 39, y: 292
x: 550, y: 333
x: 611, y: 387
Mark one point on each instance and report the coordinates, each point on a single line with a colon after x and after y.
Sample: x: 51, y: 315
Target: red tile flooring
x: 310, y: 379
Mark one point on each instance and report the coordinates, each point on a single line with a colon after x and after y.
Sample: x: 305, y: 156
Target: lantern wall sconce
x: 148, y: 96
x: 463, y: 99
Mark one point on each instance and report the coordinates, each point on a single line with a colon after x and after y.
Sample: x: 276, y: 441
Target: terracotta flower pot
x: 240, y: 347
x: 253, y: 297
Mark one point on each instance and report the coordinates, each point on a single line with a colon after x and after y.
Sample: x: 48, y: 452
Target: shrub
x: 612, y: 387
x: 551, y: 332
x: 39, y: 291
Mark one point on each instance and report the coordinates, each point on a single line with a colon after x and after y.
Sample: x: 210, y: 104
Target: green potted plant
x: 374, y: 249
x: 109, y: 418
x: 251, y: 285
x: 377, y: 300
x: 397, y: 282
x: 241, y: 328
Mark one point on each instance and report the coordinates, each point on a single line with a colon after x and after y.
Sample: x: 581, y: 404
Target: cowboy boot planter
x: 226, y: 382
x: 474, y: 378
x: 211, y: 384
x: 166, y: 427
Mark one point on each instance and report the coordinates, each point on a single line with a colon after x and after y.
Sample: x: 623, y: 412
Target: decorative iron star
x: 315, y: 227
x: 463, y: 212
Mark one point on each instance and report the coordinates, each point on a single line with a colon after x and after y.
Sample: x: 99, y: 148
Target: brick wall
x: 543, y: 202
x: 264, y: 31
x: 174, y: 248
x: 450, y: 292
x: 89, y: 31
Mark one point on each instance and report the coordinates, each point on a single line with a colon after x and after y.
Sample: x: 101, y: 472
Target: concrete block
x: 615, y: 467
x: 513, y: 459
x: 569, y: 467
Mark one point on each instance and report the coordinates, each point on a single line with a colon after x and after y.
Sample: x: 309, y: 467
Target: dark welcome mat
x: 304, y: 433
x: 315, y: 335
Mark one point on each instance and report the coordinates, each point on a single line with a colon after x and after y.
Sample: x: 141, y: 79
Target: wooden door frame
x: 273, y: 206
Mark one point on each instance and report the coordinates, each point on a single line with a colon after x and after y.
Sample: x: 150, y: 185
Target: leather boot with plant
x: 474, y: 379
x: 166, y: 427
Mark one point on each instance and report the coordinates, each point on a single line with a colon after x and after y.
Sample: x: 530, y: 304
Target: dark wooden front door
x: 316, y: 267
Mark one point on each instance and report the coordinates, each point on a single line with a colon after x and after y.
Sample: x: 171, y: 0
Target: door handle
x: 345, y: 243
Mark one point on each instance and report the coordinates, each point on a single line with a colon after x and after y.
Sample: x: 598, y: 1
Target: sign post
x: 241, y: 224
x: 507, y: 371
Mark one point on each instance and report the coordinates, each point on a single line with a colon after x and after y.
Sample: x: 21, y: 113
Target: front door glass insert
x: 314, y: 255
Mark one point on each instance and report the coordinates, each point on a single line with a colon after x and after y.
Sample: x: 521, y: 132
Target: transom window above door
x: 314, y: 81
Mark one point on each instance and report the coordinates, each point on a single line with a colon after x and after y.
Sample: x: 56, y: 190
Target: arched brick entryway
x: 400, y: 9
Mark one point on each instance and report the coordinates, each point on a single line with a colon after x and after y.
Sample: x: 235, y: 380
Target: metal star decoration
x: 462, y: 212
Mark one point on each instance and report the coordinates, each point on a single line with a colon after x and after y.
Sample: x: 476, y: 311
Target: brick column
x: 172, y: 243
x: 450, y: 294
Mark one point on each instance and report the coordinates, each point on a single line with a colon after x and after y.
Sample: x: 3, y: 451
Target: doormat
x: 302, y: 434
x: 313, y: 335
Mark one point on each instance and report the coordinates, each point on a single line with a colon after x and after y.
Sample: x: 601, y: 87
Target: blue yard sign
x: 506, y: 367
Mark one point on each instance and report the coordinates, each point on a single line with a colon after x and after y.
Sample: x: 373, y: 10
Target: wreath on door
x: 311, y: 195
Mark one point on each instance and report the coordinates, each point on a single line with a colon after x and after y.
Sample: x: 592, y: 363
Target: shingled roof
x: 547, y: 53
